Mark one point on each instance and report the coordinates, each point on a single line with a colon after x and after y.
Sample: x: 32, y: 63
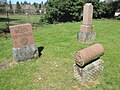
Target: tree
x: 111, y: 8
x: 35, y: 5
x: 18, y: 7
x: 11, y: 8
x: 3, y: 4
x: 25, y: 2
x: 10, y: 5
x: 39, y: 6
x: 71, y: 10
x: 66, y: 10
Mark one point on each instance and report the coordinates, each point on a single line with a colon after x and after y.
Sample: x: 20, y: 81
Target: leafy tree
x: 3, y: 4
x: 64, y: 10
x: 111, y: 8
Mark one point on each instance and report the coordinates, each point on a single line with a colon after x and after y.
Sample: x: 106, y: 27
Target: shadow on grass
x: 40, y: 49
x: 6, y: 19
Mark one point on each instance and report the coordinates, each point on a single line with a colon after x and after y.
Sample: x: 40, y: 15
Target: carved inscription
x: 24, y: 41
x: 21, y: 35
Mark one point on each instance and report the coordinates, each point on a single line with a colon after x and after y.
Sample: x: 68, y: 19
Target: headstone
x: 88, y: 66
x: 87, y: 33
x: 23, y: 42
x: 89, y: 54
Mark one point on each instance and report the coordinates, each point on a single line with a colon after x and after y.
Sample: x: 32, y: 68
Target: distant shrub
x: 117, y: 18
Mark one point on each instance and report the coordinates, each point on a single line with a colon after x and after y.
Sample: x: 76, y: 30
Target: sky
x: 31, y: 1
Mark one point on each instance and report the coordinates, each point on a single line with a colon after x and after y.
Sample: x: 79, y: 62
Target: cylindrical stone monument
x: 89, y: 54
x: 88, y: 65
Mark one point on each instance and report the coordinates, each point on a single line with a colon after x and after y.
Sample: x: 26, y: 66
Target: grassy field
x: 18, y: 19
x: 54, y: 69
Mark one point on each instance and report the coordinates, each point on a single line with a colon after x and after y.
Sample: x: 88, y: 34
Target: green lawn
x: 19, y: 19
x: 54, y: 69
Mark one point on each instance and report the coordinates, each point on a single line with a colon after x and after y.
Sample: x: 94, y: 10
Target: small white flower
x: 39, y: 78
x: 56, y: 65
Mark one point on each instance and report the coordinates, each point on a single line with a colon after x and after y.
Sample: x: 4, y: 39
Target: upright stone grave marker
x: 23, y: 42
x: 87, y: 33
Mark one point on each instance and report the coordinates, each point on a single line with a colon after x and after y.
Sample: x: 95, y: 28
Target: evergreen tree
x: 10, y: 5
x: 11, y: 8
x: 35, y: 5
x: 39, y: 6
x: 25, y: 2
x: 18, y: 7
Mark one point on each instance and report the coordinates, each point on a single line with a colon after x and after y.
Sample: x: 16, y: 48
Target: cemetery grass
x: 18, y: 19
x: 54, y: 69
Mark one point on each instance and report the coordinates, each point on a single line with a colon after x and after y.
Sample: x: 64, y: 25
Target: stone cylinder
x: 89, y: 54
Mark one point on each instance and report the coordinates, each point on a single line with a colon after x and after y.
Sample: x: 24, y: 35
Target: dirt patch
x: 6, y: 64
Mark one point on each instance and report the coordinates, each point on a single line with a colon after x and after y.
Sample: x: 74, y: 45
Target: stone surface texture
x: 87, y: 14
x: 87, y: 33
x: 86, y: 37
x: 89, y: 73
x: 21, y: 35
x: 88, y: 54
x: 24, y: 53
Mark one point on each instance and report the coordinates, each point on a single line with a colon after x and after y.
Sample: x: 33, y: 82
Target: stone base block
x: 86, y: 37
x: 90, y: 72
x: 24, y: 53
x: 86, y: 28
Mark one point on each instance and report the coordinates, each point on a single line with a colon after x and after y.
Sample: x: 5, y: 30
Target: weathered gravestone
x: 23, y: 42
x: 87, y: 33
x: 89, y: 66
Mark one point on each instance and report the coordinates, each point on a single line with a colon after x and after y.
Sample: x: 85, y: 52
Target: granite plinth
x: 90, y: 72
x: 24, y: 53
x: 86, y: 37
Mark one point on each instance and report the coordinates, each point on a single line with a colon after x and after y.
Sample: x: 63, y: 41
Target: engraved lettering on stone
x: 24, y: 41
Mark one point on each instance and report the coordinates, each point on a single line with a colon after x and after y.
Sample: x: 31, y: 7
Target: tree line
x: 8, y: 6
x: 72, y: 10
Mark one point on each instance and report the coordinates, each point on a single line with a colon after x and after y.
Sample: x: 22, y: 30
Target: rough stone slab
x: 90, y: 72
x: 86, y: 37
x: 24, y: 53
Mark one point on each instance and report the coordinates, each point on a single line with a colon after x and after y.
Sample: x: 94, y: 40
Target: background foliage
x: 71, y: 10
